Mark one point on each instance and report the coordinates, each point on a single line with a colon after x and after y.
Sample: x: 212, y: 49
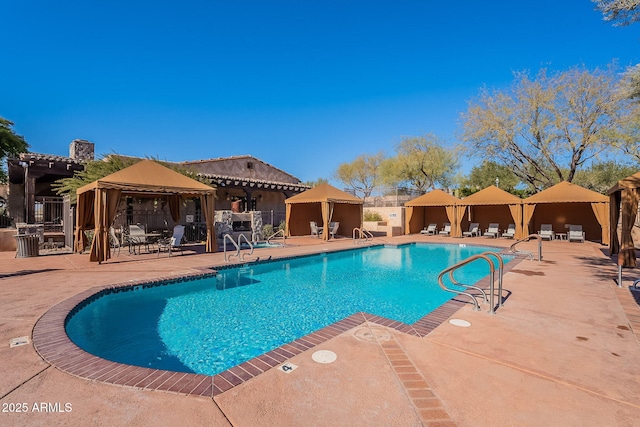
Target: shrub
x: 372, y: 216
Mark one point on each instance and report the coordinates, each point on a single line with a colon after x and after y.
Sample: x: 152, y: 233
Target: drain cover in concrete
x: 324, y: 356
x: 460, y: 322
x: 369, y: 334
x: 17, y: 342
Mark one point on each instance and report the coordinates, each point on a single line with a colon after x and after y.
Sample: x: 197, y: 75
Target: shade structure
x: 623, y: 205
x: 322, y: 204
x: 490, y: 205
x: 435, y: 207
x: 97, y: 202
x: 565, y: 204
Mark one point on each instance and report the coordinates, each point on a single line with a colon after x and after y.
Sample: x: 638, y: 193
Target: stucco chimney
x: 81, y: 149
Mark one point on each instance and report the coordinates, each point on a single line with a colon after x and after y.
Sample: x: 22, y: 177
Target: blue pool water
x: 212, y: 324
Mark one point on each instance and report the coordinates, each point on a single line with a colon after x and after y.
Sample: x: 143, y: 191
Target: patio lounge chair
x: 333, y: 228
x: 493, y: 230
x: 546, y: 232
x: 474, y: 230
x: 430, y: 230
x: 510, y: 232
x: 173, y: 243
x: 315, y: 230
x: 575, y: 233
x: 446, y: 231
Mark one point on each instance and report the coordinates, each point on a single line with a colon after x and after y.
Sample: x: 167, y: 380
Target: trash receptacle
x: 27, y: 245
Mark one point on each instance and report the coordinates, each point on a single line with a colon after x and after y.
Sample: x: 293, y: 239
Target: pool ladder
x: 485, y: 256
x: 238, y: 253
x: 361, y: 236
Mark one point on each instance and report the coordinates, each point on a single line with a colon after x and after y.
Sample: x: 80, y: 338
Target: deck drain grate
x: 17, y: 342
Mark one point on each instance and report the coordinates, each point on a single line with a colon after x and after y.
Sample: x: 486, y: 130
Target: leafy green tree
x: 362, y: 175
x: 316, y: 182
x: 488, y: 172
x: 11, y: 144
x: 545, y: 128
x: 620, y: 12
x: 602, y: 176
x: 422, y: 162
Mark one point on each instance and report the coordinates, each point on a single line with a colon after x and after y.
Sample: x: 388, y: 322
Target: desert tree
x: 362, y: 174
x: 620, y: 12
x: 422, y: 162
x: 546, y: 127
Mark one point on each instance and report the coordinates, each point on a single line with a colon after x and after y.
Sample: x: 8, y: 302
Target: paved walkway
x: 563, y: 350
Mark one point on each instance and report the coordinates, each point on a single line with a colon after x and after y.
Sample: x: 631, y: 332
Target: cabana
x: 98, y: 201
x: 491, y: 205
x: 433, y: 207
x: 623, y: 206
x: 565, y: 204
x: 322, y: 204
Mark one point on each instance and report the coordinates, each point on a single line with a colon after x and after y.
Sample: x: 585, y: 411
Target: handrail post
x: 619, y: 275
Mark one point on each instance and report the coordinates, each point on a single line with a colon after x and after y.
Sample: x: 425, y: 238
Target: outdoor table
x: 148, y: 238
x: 561, y: 236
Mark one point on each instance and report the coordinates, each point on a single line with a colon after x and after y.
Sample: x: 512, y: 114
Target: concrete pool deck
x: 563, y: 350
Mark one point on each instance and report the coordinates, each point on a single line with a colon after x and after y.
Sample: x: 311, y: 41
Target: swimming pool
x: 209, y: 325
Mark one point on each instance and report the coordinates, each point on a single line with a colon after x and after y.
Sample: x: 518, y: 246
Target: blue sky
x: 302, y: 85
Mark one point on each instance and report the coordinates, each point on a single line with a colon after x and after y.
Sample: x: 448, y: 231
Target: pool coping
x: 52, y: 343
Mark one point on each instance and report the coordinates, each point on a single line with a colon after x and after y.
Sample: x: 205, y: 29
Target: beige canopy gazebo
x: 490, y: 205
x: 433, y: 207
x: 564, y: 204
x: 624, y: 198
x: 322, y: 204
x: 98, y: 201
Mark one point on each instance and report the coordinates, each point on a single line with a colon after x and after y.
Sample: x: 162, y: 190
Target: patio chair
x: 136, y: 237
x: 546, y: 232
x: 333, y: 228
x: 446, y: 231
x: 510, y: 232
x: 575, y: 233
x: 114, y: 242
x: 493, y: 230
x: 173, y: 243
x: 315, y: 230
x: 473, y: 230
x: 430, y: 230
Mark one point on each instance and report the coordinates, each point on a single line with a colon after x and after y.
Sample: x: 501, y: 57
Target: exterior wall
x: 393, y: 216
x: 240, y: 167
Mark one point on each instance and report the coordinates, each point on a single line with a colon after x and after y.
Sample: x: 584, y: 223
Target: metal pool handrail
x: 361, y: 232
x: 284, y: 238
x: 241, y: 256
x: 513, y: 250
x: 224, y: 245
x: 466, y: 261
